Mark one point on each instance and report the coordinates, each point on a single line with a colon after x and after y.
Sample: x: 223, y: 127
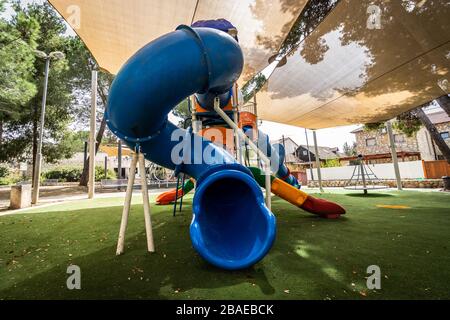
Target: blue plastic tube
x: 231, y: 227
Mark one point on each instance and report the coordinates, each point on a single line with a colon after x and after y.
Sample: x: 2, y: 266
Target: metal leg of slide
x: 176, y: 197
x: 127, y: 205
x: 147, y: 217
x: 182, y: 196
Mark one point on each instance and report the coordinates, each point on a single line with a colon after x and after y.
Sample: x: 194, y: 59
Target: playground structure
x: 117, y: 31
x: 232, y: 226
x: 234, y: 222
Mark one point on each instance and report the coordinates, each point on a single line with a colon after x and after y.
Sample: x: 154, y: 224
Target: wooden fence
x: 435, y: 169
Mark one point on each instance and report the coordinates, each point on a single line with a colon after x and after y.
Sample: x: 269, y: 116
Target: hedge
x: 73, y: 174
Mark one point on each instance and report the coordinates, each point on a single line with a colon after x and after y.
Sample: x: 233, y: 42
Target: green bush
x: 330, y: 163
x: 8, y: 178
x: 73, y: 174
x: 65, y: 174
x: 100, y: 174
x: 5, y: 181
x: 4, y: 172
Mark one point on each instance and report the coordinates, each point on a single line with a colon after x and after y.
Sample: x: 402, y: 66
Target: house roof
x: 291, y: 147
x: 357, y: 130
x: 112, y: 151
x: 324, y: 152
x: 439, y: 117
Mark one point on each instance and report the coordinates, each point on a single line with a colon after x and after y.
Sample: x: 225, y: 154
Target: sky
x: 333, y: 137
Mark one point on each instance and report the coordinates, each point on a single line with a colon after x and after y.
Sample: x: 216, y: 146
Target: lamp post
x: 57, y: 55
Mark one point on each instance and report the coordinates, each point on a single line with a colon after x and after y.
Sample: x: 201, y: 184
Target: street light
x: 56, y: 55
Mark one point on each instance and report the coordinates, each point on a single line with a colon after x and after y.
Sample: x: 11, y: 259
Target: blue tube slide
x: 276, y: 153
x: 231, y: 226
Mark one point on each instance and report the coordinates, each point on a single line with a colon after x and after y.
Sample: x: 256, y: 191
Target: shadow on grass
x: 175, y: 271
x: 370, y: 195
x: 167, y: 274
x: 312, y: 258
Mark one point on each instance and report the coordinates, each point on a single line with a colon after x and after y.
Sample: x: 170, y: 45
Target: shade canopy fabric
x: 114, y: 30
x: 363, y: 64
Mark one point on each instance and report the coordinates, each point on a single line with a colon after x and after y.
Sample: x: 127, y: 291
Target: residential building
x: 429, y: 151
x: 325, y: 154
x: 108, y: 154
x: 374, y: 144
x: 291, y: 159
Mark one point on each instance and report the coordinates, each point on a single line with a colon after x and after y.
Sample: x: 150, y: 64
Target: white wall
x: 408, y: 170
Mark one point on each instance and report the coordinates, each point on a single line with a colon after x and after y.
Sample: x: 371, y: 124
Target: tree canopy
x: 37, y: 26
x: 17, y: 43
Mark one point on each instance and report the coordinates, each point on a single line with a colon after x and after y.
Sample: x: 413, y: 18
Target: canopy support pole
x: 316, y: 151
x: 394, y: 155
x: 309, y: 155
x: 92, y: 140
x: 363, y: 175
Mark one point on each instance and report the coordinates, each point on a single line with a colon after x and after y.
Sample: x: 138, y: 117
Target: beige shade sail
x: 363, y: 64
x: 114, y: 30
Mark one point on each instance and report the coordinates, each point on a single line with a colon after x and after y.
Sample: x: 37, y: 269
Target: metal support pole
x: 253, y: 146
x: 176, y: 196
x: 92, y: 141
x: 183, y: 180
x: 316, y: 150
x: 119, y: 161
x: 38, y: 164
x: 145, y: 199
x: 106, y: 167
x: 236, y: 121
x: 394, y: 155
x: 195, y: 123
x: 363, y: 175
x: 309, y: 155
x: 255, y: 110
x: 127, y: 205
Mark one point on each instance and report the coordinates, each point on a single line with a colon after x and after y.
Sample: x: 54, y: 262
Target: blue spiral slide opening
x: 231, y: 226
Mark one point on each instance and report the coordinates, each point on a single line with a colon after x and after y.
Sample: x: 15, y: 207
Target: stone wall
x: 425, y: 183
x: 382, y: 142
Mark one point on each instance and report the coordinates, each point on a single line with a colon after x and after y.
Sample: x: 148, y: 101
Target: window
x: 445, y: 135
x: 371, y: 142
x: 305, y: 153
x: 399, y: 138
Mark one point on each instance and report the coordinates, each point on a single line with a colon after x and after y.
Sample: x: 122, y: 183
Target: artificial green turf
x: 311, y: 259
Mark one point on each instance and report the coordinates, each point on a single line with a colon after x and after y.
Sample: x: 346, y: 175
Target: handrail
x: 252, y: 145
